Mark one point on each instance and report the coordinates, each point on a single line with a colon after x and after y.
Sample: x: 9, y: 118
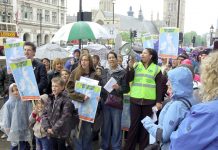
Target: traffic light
x: 134, y: 33
x: 193, y: 39
x: 180, y: 37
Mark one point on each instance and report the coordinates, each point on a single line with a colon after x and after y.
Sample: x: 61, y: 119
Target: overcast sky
x: 199, y: 15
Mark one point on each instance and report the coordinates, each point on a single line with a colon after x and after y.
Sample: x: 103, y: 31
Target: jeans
x: 42, y: 143
x: 84, y: 142
x: 111, y: 128
x: 23, y: 145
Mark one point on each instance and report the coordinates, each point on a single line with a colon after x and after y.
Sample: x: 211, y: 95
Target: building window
x: 47, y: 16
x: 54, y: 2
x: 62, y: 18
x: 27, y: 12
x: 39, y: 13
x: 62, y: 3
x: 54, y: 17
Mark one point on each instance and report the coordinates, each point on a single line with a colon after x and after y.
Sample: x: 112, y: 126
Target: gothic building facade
x: 170, y: 13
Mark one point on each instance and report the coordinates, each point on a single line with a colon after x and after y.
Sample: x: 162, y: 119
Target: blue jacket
x: 199, y: 130
x: 174, y: 111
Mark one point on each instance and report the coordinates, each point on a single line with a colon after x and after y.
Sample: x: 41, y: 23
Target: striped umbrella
x: 80, y: 30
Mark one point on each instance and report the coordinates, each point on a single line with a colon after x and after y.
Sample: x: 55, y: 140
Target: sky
x: 199, y: 14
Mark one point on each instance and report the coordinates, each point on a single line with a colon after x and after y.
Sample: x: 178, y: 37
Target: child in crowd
x: 42, y: 142
x: 57, y: 115
x: 65, y: 74
x: 15, y: 120
x: 98, y: 71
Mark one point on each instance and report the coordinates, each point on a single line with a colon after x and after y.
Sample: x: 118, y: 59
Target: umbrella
x: 100, y: 50
x: 80, y: 30
x: 51, y: 51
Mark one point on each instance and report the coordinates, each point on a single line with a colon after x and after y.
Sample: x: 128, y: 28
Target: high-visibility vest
x: 144, y: 86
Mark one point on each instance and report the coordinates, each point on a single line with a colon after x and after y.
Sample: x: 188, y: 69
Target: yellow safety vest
x: 144, y: 86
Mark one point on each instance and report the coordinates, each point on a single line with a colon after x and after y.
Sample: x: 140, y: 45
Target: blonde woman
x: 199, y: 130
x: 57, y: 66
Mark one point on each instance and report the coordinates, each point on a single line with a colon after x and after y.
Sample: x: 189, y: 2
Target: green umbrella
x: 81, y: 30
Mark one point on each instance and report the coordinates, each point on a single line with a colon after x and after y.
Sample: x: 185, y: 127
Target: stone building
x: 37, y: 20
x: 170, y: 13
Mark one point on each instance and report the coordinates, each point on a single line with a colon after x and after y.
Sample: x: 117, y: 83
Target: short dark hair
x: 31, y: 44
x: 58, y: 80
x: 113, y: 53
x: 45, y: 59
x: 76, y: 50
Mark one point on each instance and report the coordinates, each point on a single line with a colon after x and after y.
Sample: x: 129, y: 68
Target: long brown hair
x: 79, y: 71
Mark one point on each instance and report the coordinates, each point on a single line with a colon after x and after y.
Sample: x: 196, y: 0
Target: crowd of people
x: 183, y: 90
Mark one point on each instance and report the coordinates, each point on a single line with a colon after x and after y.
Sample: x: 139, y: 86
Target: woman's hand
x: 86, y: 98
x: 159, y: 106
x: 50, y: 131
x: 116, y: 86
x: 98, y: 98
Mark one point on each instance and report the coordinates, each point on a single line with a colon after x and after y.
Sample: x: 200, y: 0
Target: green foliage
x: 187, y: 40
x: 125, y: 36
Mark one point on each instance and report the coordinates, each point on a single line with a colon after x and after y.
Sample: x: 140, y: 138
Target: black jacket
x: 58, y: 115
x: 120, y: 77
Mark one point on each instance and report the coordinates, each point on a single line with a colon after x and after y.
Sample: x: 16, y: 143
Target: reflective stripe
x: 144, y: 85
x: 144, y: 75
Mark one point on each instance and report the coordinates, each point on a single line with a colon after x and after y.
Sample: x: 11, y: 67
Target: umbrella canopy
x: 51, y: 51
x: 81, y: 30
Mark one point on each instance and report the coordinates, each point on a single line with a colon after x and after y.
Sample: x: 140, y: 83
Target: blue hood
x: 181, y: 79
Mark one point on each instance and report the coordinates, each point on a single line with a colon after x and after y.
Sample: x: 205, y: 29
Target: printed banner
x: 87, y: 110
x: 147, y: 41
x: 169, y: 42
x: 125, y: 121
x: 25, y: 79
x: 12, y: 51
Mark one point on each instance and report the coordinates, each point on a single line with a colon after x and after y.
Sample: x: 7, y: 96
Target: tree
x: 125, y: 36
x: 200, y: 40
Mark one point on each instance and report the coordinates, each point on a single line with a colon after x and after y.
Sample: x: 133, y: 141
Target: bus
x: 7, y: 30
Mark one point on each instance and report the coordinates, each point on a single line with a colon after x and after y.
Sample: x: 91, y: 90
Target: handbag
x: 156, y: 145
x: 114, y: 101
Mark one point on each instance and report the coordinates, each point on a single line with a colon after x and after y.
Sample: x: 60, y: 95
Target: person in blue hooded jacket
x: 180, y: 82
x: 199, y: 129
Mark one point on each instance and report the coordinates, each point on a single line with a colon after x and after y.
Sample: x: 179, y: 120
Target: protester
x: 65, y: 74
x: 111, y: 130
x: 57, y: 66
x: 96, y: 61
x: 120, y: 60
x: 199, y: 128
x: 15, y: 120
x: 46, y: 62
x: 42, y: 141
x: 38, y: 67
x: 181, y: 57
x: 57, y: 115
x: 174, y: 63
x: 146, y: 91
x: 72, y: 63
x: 85, y: 69
x: 181, y: 90
x: 4, y: 83
x: 84, y: 51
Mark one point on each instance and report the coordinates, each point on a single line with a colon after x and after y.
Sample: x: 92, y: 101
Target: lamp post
x: 81, y: 19
x: 40, y: 29
x: 178, y: 14
x: 5, y: 3
x: 211, y: 34
x: 113, y: 2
